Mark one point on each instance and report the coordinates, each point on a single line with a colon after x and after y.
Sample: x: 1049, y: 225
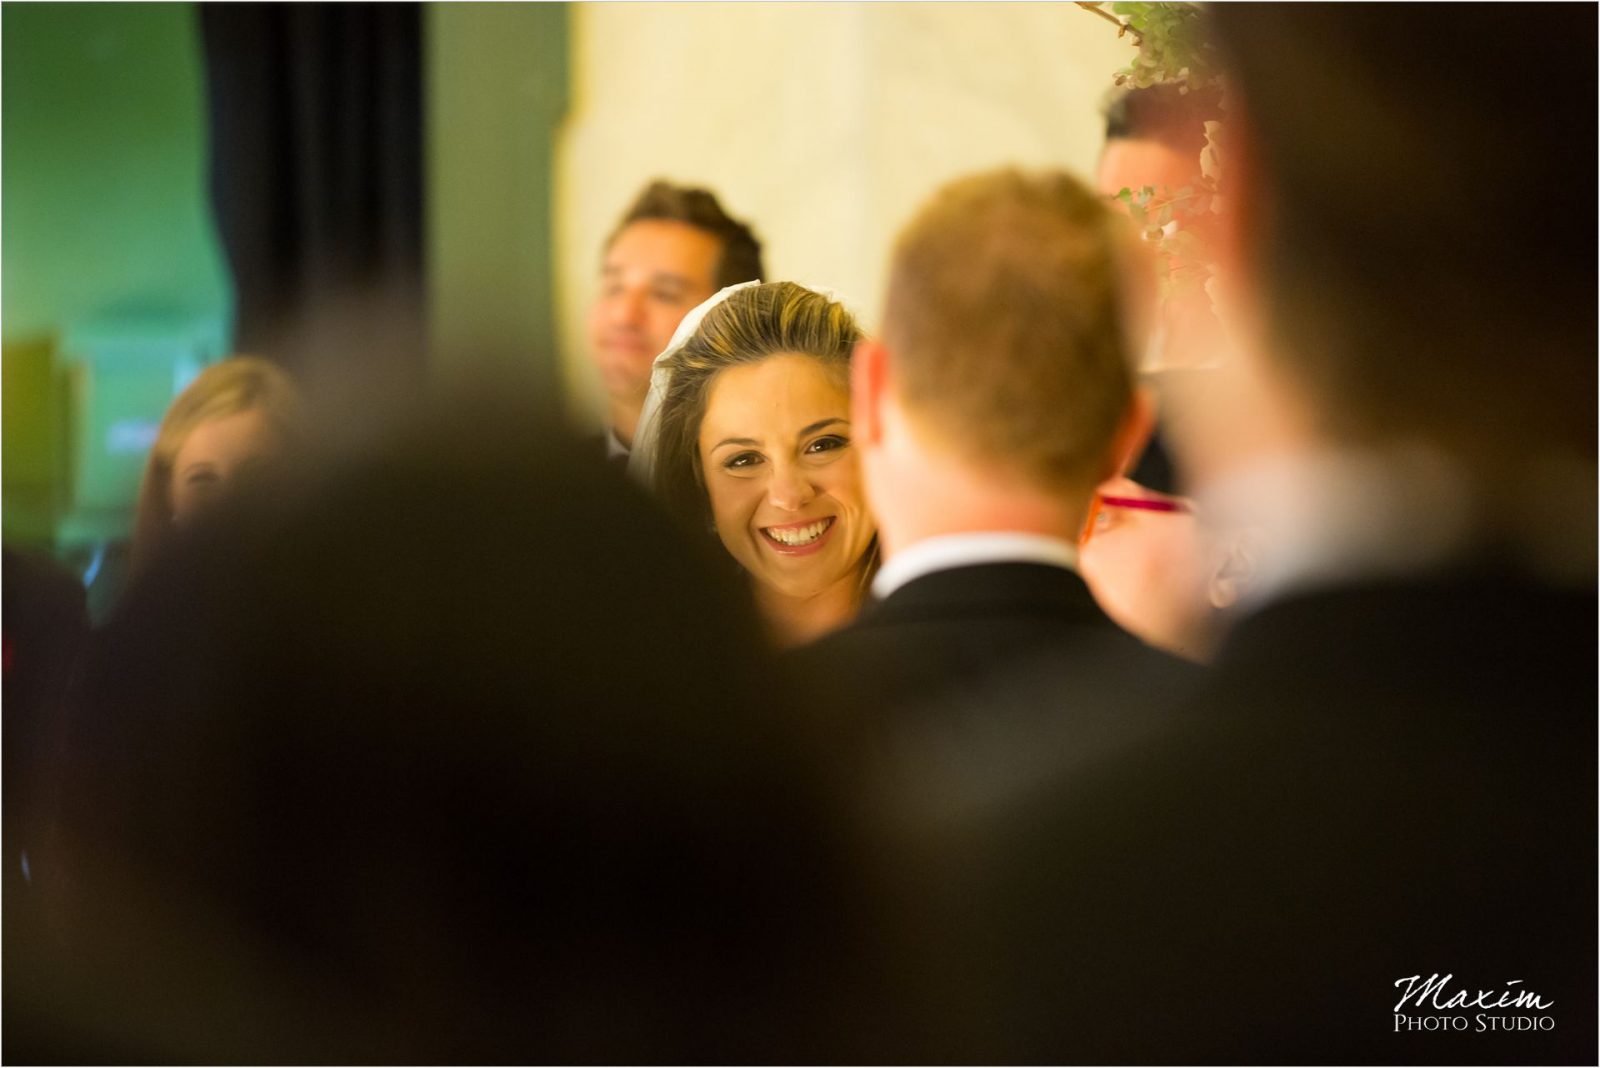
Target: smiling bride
x: 747, y: 435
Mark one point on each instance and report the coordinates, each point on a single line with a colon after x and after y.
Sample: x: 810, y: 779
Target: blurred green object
x: 33, y: 421
x: 495, y: 95
x: 81, y: 412
x: 114, y: 286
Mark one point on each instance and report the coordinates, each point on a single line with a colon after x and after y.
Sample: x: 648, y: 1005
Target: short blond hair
x: 1004, y: 321
x: 237, y: 384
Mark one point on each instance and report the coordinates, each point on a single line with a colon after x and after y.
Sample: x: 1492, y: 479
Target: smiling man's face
x: 654, y: 273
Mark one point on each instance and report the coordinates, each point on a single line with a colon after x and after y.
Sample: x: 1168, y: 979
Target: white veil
x: 642, y: 457
x: 646, y: 447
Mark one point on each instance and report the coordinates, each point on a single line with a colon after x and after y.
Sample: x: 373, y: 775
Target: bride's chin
x: 801, y: 587
x: 788, y: 591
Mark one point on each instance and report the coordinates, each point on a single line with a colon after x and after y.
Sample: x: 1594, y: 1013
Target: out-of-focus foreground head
x: 1005, y: 330
x: 1412, y: 195
x: 454, y: 752
x: 235, y: 416
x: 674, y: 247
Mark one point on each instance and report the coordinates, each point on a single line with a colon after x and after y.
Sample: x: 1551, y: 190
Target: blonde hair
x: 1005, y: 324
x: 238, y: 384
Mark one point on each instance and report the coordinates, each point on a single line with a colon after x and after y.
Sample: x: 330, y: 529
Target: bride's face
x: 783, y: 480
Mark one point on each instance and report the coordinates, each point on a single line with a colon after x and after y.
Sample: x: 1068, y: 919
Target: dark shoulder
x: 993, y: 633
x: 36, y: 585
x: 1446, y: 646
x: 1364, y: 784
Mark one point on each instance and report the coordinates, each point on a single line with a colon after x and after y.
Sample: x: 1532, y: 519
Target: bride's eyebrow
x: 810, y: 428
x: 820, y: 423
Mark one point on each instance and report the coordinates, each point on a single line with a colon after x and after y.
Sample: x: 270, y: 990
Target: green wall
x: 112, y: 279
x: 496, y: 91
x: 104, y: 175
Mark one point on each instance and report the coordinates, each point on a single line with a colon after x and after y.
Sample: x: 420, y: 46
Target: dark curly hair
x: 741, y: 250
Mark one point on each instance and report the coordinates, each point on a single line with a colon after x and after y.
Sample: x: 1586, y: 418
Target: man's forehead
x: 664, y: 248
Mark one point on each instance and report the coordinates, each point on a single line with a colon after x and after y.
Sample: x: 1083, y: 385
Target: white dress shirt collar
x: 615, y: 449
x: 949, y: 551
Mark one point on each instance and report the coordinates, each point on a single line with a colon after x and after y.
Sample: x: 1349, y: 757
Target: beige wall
x: 824, y: 124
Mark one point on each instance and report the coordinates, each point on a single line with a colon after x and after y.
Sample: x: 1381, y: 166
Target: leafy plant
x: 1172, y: 50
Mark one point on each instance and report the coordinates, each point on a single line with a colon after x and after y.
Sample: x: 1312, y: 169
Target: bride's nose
x: 788, y: 488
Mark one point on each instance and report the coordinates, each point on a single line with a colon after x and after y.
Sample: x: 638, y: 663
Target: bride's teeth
x: 796, y: 536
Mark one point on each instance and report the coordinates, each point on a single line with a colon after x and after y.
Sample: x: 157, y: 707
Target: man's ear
x: 1235, y: 570
x: 869, y: 375
x: 1132, y: 434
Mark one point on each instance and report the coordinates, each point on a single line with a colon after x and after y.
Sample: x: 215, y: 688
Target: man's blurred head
x: 1402, y: 236
x: 674, y: 248
x: 1004, y: 328
x: 523, y: 841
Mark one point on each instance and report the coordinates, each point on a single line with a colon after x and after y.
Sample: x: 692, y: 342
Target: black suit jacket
x: 1380, y: 782
x: 46, y: 625
x: 966, y: 629
x: 965, y: 694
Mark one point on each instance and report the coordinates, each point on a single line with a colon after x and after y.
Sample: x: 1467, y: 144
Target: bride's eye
x: 828, y: 444
x: 741, y: 460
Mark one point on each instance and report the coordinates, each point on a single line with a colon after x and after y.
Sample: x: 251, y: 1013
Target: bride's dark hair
x: 749, y: 326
